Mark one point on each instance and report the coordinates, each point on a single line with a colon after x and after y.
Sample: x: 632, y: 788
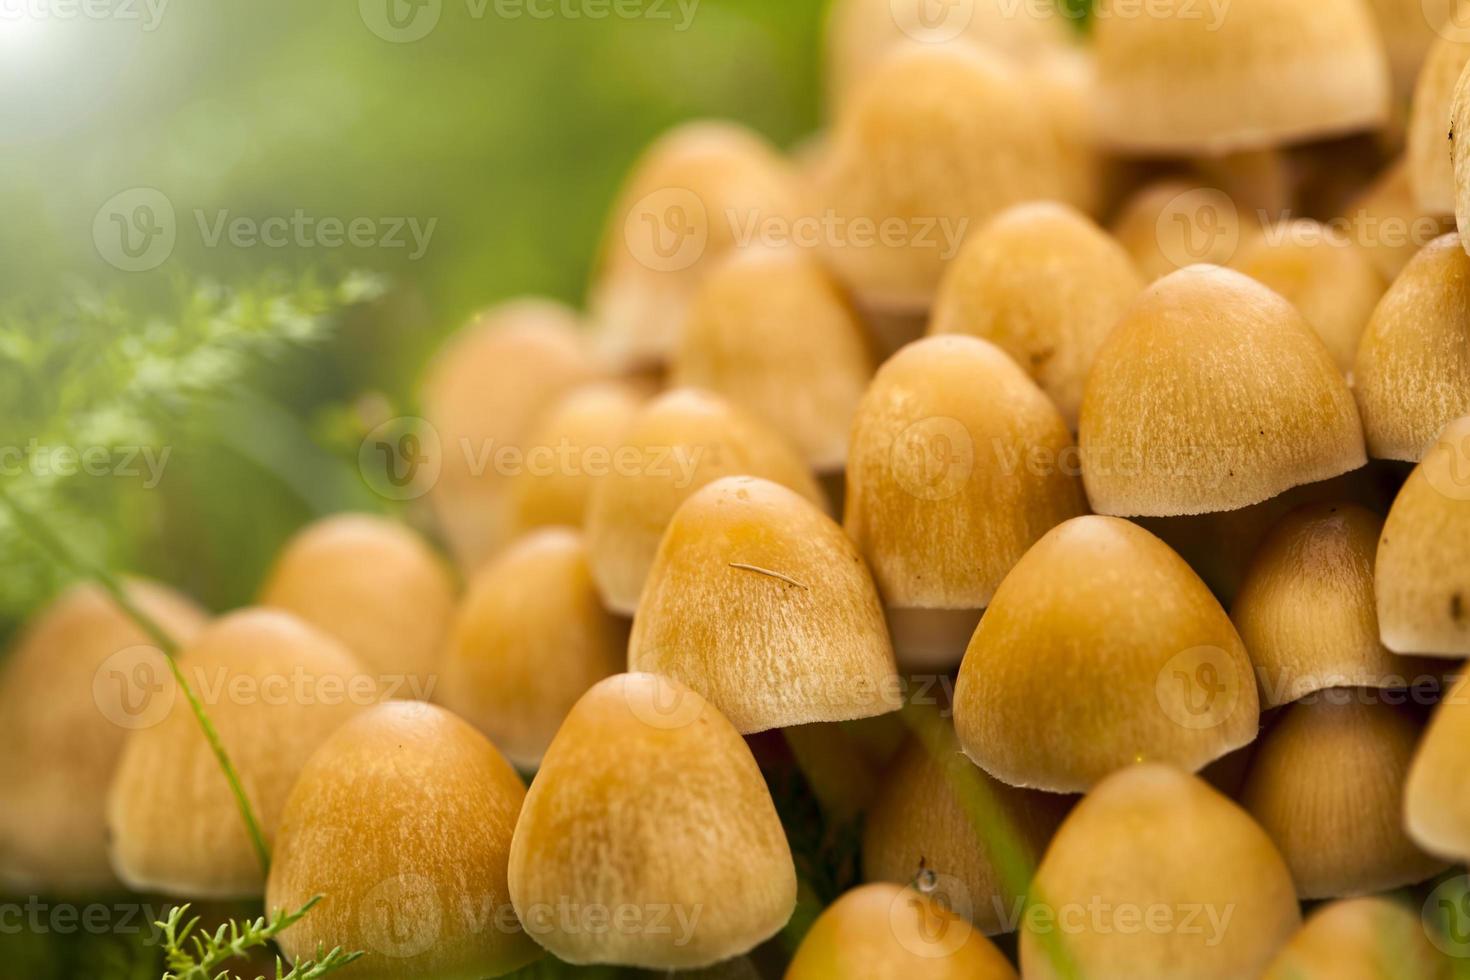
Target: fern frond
x: 193, y: 955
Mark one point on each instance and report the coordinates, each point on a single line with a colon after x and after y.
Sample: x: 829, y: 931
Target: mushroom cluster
x: 1055, y: 478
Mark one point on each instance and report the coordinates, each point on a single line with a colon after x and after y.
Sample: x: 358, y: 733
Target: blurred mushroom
x: 1460, y: 154
x: 529, y: 640
x: 1360, y: 939
x: 1431, y: 167
x: 1409, y: 28
x: 1400, y: 227
x: 1169, y: 224
x: 1437, y: 792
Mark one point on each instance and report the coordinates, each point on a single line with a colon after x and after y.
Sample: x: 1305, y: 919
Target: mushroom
x: 401, y: 822
x: 1437, y: 791
x: 1431, y: 167
x: 530, y: 638
x: 1261, y: 182
x: 677, y: 443
x: 1044, y: 284
x: 1409, y: 28
x: 890, y: 932
x: 1327, y: 783
x: 274, y: 689
x: 1360, y: 939
x: 958, y: 464
x: 1065, y: 81
x: 375, y: 585
x: 649, y: 803
x: 1184, y: 80
x: 1412, y: 374
x: 759, y: 602
x: 1173, y: 223
x: 1211, y: 394
x: 79, y: 675
x: 1327, y: 276
x: 1306, y: 611
x: 692, y: 197
x: 1403, y: 228
x: 1155, y: 876
x: 1460, y: 155
x: 482, y: 393
x: 769, y: 330
x: 1422, y: 576
x: 1073, y: 673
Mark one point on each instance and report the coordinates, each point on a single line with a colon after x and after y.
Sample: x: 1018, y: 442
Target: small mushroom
x: 650, y: 813
x: 676, y: 444
x: 771, y: 331
x: 1422, y: 575
x: 759, y: 602
x: 890, y: 932
x: 958, y: 464
x: 1155, y: 873
x: 529, y: 640
x: 1437, y: 792
x: 1181, y: 80
x: 1074, y: 674
x: 401, y: 822
x: 79, y: 673
x: 1046, y: 285
x: 1431, y: 166
x: 1212, y: 394
x: 1412, y: 374
x: 1402, y: 226
x: 274, y: 688
x: 1360, y: 939
x: 1327, y: 783
x: 375, y: 585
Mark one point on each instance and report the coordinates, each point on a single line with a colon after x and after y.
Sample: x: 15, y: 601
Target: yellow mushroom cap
x: 402, y: 823
x: 1180, y: 77
x: 375, y: 585
x: 529, y: 640
x: 1327, y: 783
x: 771, y: 331
x: 676, y: 444
x: 1212, y: 394
x: 274, y: 688
x: 1307, y: 610
x: 889, y: 932
x: 1327, y: 276
x: 68, y: 691
x: 921, y: 822
x: 935, y: 141
x: 1431, y: 166
x: 1437, y: 792
x: 759, y: 602
x: 1401, y: 227
x: 1102, y: 648
x: 568, y: 451
x: 1156, y: 876
x: 1046, y: 285
x: 1065, y: 81
x: 649, y: 803
x: 1170, y: 224
x: 1412, y: 375
x: 1360, y: 939
x: 691, y: 198
x: 1422, y: 575
x: 1409, y: 28
x: 484, y: 390
x: 958, y: 464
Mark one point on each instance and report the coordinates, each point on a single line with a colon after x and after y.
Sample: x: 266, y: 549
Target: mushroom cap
x: 689, y: 200
x: 1460, y: 156
x: 568, y: 451
x: 1360, y: 939
x: 935, y: 141
x: 374, y: 584
x: 274, y: 688
x: 425, y: 807
x: 649, y: 800
x: 529, y: 640
x: 1431, y: 166
x: 921, y: 821
x: 483, y: 391
x: 1174, y: 223
x: 677, y: 443
x: 1183, y: 79
x: 1409, y: 29
x: 1327, y: 783
x: 1211, y: 394
x: 65, y: 692
x: 1327, y: 276
x: 1102, y: 648
x: 890, y: 932
x: 1046, y: 285
x: 1412, y: 374
x: 958, y: 464
x: 1422, y: 577
x: 1437, y: 792
x: 1307, y: 613
x: 770, y: 330
x: 1151, y: 841
x: 759, y: 602
x: 1386, y: 204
